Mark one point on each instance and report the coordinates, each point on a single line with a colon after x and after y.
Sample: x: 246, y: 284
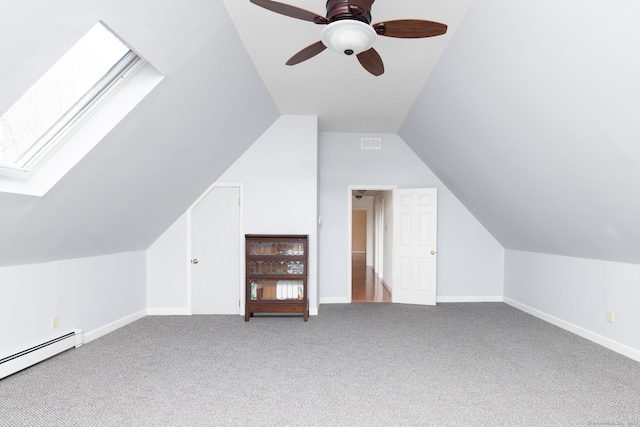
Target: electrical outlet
x: 54, y: 322
x: 610, y: 316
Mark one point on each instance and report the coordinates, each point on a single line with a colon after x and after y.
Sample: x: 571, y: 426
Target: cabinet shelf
x: 276, y: 274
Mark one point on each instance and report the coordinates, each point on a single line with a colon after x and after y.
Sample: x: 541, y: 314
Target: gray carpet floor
x: 477, y: 364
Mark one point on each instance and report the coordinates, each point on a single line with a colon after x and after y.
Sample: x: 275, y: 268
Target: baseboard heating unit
x: 29, y: 357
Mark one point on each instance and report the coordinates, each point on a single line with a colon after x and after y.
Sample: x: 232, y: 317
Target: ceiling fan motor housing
x: 349, y: 31
x: 339, y: 9
x: 348, y: 37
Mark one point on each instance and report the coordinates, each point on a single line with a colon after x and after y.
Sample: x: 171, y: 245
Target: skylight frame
x: 53, y: 137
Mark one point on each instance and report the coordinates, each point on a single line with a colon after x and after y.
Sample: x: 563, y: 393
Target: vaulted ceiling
x: 527, y: 111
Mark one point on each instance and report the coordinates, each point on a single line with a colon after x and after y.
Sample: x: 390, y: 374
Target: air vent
x: 370, y: 143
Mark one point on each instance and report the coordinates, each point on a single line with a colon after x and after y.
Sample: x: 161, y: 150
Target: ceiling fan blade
x: 410, y: 28
x: 307, y: 53
x: 292, y: 11
x: 360, y: 5
x: 371, y: 61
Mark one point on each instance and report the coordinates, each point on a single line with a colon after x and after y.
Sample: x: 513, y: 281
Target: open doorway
x: 367, y: 246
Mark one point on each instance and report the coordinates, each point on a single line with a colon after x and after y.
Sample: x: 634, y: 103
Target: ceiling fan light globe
x: 348, y: 37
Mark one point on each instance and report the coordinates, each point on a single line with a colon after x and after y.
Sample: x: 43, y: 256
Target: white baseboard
x: 344, y: 300
x: 584, y: 333
x: 168, y: 311
x: 470, y: 299
x: 104, y: 330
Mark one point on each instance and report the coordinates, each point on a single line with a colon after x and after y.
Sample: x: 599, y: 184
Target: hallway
x: 365, y: 285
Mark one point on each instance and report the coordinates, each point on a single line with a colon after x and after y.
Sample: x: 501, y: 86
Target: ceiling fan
x: 349, y: 31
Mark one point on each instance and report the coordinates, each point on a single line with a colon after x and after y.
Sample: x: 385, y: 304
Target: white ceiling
x: 344, y: 96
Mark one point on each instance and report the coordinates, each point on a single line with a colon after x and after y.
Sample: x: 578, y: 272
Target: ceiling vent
x: 370, y: 143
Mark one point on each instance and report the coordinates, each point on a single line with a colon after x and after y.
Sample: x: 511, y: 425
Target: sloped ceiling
x: 166, y: 152
x: 530, y: 116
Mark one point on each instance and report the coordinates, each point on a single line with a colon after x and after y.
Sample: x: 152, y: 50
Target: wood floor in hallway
x: 365, y: 285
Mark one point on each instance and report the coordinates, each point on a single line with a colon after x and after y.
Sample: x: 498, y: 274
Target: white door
x: 414, y: 246
x: 215, y: 240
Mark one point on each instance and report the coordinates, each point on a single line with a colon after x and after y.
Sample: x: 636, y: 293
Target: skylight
x: 37, y: 122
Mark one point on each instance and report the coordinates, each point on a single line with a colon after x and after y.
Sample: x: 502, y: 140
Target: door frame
x: 378, y: 235
x: 350, y: 189
x: 240, y: 239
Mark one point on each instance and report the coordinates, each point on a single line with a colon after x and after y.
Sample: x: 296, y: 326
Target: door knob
x: 194, y: 261
x: 432, y: 253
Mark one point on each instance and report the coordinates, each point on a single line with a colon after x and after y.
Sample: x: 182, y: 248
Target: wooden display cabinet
x: 276, y: 274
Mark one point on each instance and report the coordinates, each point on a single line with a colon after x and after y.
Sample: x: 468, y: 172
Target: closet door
x: 216, y: 252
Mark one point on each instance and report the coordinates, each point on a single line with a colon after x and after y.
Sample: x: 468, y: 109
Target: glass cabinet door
x: 275, y: 267
x: 276, y: 290
x: 284, y: 248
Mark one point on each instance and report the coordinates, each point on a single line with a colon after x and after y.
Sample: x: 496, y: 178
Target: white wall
x: 168, y: 270
x: 96, y: 295
x: 576, y: 294
x: 278, y: 174
x: 470, y: 260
